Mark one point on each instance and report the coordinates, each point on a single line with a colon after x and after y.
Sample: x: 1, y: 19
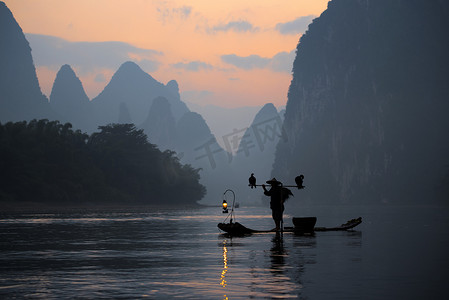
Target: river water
x: 398, y: 252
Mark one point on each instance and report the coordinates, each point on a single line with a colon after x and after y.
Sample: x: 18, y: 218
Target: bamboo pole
x: 292, y: 186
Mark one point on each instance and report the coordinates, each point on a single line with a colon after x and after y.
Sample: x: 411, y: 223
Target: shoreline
x: 36, y: 207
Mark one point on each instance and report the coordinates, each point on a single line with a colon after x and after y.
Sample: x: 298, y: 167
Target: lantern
x: 225, y: 206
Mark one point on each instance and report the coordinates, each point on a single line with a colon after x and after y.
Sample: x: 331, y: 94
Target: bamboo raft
x: 301, y: 226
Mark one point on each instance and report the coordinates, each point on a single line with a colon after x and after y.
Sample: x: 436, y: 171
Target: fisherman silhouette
x: 252, y: 181
x: 276, y: 203
x: 299, y: 181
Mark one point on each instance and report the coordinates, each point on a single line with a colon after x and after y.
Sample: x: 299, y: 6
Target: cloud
x: 299, y: 25
x: 281, y: 62
x: 183, y: 11
x: 246, y: 62
x: 237, y: 26
x: 193, y: 66
x: 53, y: 52
x: 168, y: 14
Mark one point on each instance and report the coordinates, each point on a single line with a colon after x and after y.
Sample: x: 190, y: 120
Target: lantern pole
x: 233, y: 202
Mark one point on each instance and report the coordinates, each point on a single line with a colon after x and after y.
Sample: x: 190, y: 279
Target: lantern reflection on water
x: 225, y: 265
x: 225, y: 268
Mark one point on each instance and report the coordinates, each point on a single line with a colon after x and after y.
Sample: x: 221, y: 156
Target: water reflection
x: 280, y: 284
x: 265, y: 265
x: 168, y: 255
x: 225, y: 265
x: 277, y: 255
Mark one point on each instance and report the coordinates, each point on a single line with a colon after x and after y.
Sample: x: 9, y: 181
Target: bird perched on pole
x: 252, y: 181
x: 299, y: 181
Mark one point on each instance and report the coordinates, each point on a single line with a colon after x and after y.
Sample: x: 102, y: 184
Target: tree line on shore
x: 47, y: 162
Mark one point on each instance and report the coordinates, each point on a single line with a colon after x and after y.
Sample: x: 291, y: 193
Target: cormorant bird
x: 252, y: 181
x: 299, y: 181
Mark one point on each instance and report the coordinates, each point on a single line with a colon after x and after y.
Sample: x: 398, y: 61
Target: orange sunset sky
x: 226, y: 53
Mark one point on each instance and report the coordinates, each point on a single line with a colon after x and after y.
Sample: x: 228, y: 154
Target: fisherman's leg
x: 273, y: 214
x: 278, y: 224
x: 277, y: 219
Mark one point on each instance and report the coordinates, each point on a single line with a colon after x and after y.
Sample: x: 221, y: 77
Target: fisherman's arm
x: 265, y: 191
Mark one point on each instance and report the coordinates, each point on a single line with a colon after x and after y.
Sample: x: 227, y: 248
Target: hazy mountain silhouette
x: 160, y: 125
x: 367, y: 113
x: 194, y: 139
x: 263, y: 133
x: 222, y: 121
x: 178, y: 107
x: 123, y: 115
x: 131, y: 85
x: 69, y: 100
x: 252, y: 139
x: 256, y: 149
x: 20, y: 95
x: 196, y: 145
x: 193, y: 132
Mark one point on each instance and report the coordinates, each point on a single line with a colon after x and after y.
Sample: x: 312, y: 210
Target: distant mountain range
x: 131, y: 96
x: 131, y: 86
